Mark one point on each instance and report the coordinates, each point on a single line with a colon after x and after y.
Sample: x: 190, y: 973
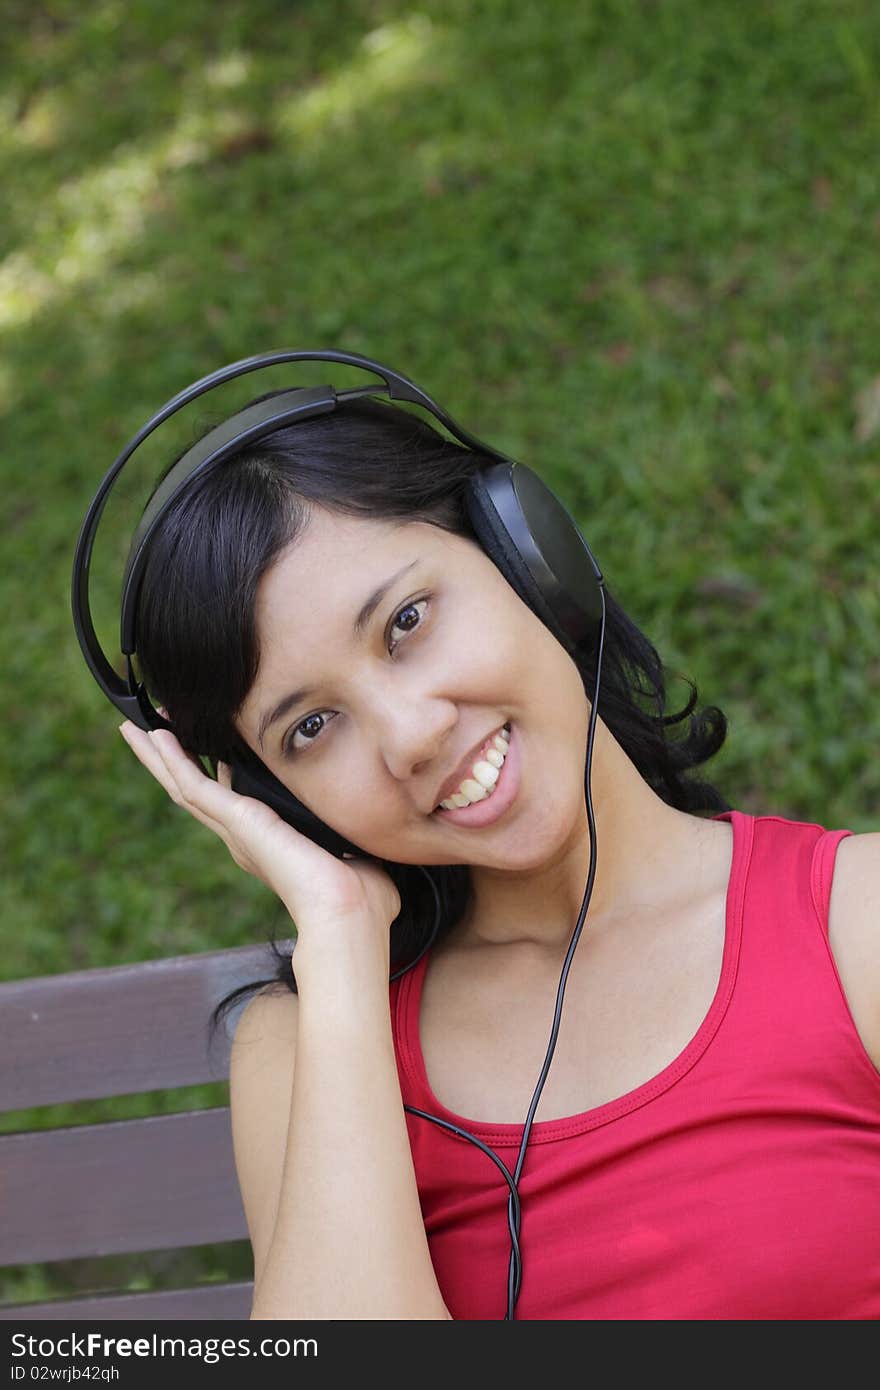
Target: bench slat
x: 207, y: 1302
x: 120, y: 1030
x: 131, y: 1185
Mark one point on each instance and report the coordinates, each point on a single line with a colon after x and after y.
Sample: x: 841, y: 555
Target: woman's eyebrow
x: 360, y: 623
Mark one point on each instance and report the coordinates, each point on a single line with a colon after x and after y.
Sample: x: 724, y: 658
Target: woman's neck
x: 648, y: 854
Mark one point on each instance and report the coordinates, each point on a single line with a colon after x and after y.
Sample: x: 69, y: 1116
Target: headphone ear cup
x: 498, y: 544
x: 536, y: 544
x: 254, y: 779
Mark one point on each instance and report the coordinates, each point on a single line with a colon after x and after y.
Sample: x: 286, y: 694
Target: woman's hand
x: 319, y: 891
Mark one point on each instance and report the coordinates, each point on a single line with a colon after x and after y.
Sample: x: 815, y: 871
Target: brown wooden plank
x: 150, y: 1184
x: 120, y: 1030
x: 208, y: 1302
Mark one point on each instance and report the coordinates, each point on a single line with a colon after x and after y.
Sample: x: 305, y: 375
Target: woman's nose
x: 414, y: 738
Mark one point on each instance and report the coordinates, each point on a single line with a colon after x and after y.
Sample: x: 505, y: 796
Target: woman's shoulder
x: 263, y: 1045
x: 273, y: 1001
x: 854, y: 932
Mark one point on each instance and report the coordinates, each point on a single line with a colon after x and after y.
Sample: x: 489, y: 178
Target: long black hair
x: 198, y: 642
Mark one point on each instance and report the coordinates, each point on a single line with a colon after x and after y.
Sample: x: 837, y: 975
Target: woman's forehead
x: 348, y: 548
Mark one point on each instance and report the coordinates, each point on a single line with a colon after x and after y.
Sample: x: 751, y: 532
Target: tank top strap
x: 787, y: 991
x: 822, y: 873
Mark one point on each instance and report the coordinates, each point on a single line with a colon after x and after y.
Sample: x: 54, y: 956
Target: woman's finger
x: 149, y: 752
x: 235, y: 817
x: 194, y: 785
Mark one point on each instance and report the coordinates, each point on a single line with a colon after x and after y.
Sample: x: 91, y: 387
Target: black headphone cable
x: 514, y: 1210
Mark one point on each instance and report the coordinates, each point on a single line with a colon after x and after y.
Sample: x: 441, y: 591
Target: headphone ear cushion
x: 501, y: 550
x: 253, y: 778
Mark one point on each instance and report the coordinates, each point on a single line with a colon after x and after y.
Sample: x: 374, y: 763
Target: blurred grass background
x: 633, y: 243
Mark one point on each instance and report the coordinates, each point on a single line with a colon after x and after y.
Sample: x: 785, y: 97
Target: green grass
x: 636, y: 247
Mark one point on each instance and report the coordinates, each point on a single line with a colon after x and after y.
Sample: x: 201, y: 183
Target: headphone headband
x: 244, y: 427
x: 224, y: 439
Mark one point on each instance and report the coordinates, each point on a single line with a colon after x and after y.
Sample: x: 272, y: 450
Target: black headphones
x: 521, y: 525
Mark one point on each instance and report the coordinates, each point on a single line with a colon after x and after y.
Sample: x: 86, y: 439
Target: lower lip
x: 491, y: 808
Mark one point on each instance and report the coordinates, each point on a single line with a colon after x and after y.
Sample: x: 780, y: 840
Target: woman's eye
x: 408, y: 609
x: 408, y: 619
x: 309, y: 722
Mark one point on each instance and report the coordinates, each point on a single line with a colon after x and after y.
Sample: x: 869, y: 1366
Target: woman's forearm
x: 349, y: 1240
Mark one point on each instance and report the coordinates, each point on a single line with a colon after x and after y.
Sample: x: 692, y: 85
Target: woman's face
x: 448, y: 656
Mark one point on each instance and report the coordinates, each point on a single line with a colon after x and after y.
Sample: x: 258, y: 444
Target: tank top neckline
x: 544, y: 1131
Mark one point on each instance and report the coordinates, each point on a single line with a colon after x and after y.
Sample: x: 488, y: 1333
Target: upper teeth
x: 485, y: 773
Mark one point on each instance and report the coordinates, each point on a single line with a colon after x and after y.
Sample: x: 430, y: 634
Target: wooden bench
x: 164, y: 1182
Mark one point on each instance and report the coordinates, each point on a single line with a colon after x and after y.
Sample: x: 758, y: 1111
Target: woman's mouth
x: 488, y: 791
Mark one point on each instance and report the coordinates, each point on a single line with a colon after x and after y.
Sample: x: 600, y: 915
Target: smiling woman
x: 321, y: 609
x: 295, y: 559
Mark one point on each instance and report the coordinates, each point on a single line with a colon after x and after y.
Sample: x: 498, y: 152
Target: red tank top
x: 742, y: 1182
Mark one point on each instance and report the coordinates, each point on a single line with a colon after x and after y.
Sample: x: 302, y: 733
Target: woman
x: 707, y: 1137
